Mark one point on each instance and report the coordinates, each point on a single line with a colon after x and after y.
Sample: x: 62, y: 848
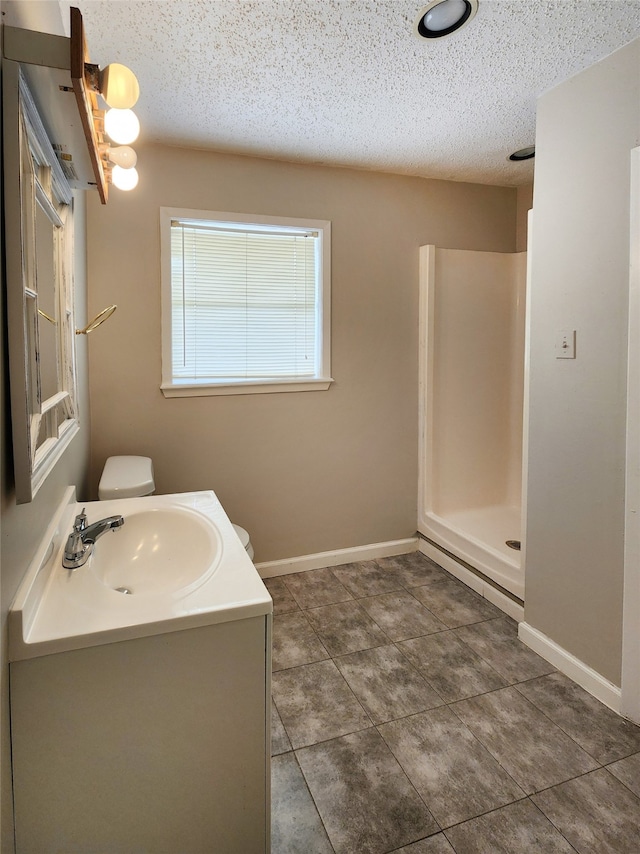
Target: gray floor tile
x: 413, y: 569
x: 316, y: 587
x: 283, y: 601
x: 450, y: 666
x: 601, y: 732
x: 457, y: 757
x: 387, y: 686
x: 346, y: 627
x: 535, y: 752
x: 366, y: 578
x: 628, y: 772
x: 456, y: 777
x: 295, y: 642
x: 516, y: 829
x: 315, y: 703
x: 454, y: 604
x: 366, y: 802
x: 433, y: 845
x: 596, y: 813
x: 401, y: 616
x: 497, y: 642
x: 295, y: 823
x: 279, y: 739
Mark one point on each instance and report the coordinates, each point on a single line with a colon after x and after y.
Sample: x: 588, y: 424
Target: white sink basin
x: 178, y: 555
x: 163, y: 550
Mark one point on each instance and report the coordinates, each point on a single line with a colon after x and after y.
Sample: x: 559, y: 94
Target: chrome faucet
x: 82, y: 538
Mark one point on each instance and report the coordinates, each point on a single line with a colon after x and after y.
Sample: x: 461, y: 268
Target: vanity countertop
x: 57, y: 609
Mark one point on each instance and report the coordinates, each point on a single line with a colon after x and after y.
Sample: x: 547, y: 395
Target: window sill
x: 251, y: 387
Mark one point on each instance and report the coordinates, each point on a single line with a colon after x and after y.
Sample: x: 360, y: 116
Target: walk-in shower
x: 472, y: 327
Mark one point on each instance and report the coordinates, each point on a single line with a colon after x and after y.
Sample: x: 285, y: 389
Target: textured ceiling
x: 347, y: 82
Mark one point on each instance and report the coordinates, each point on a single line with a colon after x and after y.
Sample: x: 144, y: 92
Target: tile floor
x: 409, y: 718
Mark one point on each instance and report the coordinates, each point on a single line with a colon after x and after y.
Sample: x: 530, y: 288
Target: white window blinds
x: 244, y: 302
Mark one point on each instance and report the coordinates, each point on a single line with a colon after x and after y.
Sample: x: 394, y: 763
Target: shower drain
x: 513, y: 544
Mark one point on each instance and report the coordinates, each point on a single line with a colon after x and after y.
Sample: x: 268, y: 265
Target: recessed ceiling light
x: 443, y: 17
x: 523, y: 153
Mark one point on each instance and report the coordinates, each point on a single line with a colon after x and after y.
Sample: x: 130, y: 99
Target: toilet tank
x: 126, y: 477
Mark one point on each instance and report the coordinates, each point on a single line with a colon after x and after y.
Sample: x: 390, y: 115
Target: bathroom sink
x: 160, y: 550
x: 176, y: 563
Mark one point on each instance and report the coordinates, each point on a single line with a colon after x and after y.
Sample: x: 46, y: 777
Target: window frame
x: 172, y: 388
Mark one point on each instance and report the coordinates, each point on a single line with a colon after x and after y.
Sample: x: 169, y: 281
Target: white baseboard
x: 500, y: 600
x: 566, y: 663
x: 319, y: 560
x: 585, y: 676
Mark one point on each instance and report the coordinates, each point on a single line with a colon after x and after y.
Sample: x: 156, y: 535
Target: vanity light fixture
x: 118, y: 87
x: 124, y: 175
x: 443, y: 17
x: 84, y: 152
x: 124, y: 179
x: 123, y: 156
x: 523, y: 153
x: 116, y: 83
x: 121, y: 161
x: 122, y: 126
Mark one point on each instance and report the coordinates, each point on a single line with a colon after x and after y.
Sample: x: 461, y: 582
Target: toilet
x: 132, y: 477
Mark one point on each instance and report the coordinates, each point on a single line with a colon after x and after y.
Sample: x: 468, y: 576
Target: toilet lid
x: 126, y: 477
x: 242, y: 534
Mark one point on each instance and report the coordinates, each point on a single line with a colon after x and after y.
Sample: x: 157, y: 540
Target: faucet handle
x: 81, y: 522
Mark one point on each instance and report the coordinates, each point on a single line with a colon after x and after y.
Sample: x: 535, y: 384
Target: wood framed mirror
x: 39, y: 268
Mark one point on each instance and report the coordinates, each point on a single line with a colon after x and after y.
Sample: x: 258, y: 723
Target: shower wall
x: 473, y: 388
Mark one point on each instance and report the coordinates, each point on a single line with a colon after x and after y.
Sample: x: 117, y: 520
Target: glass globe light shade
x: 124, y: 179
x: 119, y: 86
x: 445, y: 15
x: 122, y: 126
x: 124, y: 156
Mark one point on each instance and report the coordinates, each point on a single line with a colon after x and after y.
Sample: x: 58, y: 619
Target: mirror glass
x: 46, y: 283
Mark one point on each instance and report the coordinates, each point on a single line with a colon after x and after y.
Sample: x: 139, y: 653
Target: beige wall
x: 586, y: 128
x: 303, y: 472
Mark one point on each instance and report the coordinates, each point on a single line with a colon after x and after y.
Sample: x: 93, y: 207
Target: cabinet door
x: 156, y: 744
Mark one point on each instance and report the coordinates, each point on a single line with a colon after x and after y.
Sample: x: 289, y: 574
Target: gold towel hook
x: 105, y: 314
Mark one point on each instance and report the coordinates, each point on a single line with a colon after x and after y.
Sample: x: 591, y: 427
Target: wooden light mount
x: 91, y: 116
x: 60, y: 64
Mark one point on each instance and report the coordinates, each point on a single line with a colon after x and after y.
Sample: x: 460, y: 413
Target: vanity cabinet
x: 158, y: 744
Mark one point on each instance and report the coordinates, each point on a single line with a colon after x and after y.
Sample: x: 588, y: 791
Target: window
x: 245, y: 303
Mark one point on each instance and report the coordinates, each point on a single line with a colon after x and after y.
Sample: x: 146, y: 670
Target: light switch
x: 566, y: 344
